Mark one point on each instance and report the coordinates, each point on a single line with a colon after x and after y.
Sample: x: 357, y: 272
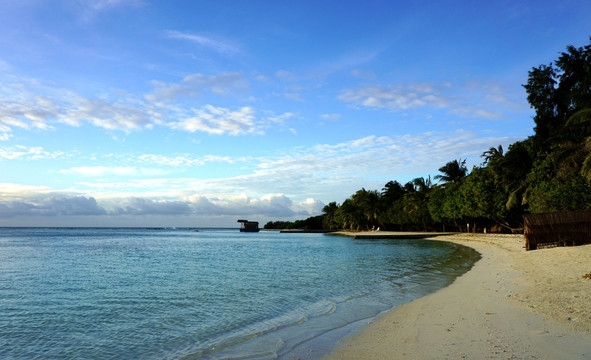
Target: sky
x: 198, y: 113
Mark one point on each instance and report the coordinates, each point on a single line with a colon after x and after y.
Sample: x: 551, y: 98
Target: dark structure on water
x: 249, y: 226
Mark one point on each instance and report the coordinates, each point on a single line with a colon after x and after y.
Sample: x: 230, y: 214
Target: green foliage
x: 557, y: 91
x: 557, y: 185
x: 510, y: 172
x: 452, y: 172
x: 492, y: 155
x: 481, y: 197
x: 437, y: 197
x: 329, y: 212
x: 311, y: 223
x: 392, y: 192
x: 549, y: 171
x: 578, y: 126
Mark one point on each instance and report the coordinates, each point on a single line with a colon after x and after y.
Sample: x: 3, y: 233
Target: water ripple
x: 169, y: 294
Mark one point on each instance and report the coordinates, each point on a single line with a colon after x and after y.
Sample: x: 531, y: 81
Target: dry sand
x: 512, y: 304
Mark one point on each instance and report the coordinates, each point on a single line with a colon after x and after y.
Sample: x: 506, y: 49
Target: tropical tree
x: 511, y: 171
x: 556, y: 185
x: 492, y: 154
x: 416, y: 203
x: 329, y: 212
x: 452, y: 172
x: 541, y: 90
x: 392, y: 192
x: 348, y: 216
x: 422, y: 185
x: 557, y: 91
x: 368, y: 203
x: 574, y: 87
x: 481, y: 199
x: 444, y: 204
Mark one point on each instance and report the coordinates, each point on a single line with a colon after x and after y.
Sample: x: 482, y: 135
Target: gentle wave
x: 177, y: 293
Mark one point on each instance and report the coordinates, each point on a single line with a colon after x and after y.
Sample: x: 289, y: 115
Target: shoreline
x: 512, y: 304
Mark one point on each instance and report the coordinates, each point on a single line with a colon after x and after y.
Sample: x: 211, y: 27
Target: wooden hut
x: 566, y: 228
x: 249, y: 226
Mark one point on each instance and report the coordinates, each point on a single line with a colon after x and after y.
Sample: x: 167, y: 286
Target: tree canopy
x: 549, y: 171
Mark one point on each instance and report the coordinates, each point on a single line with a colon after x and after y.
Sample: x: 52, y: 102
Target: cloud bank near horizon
x: 305, y: 179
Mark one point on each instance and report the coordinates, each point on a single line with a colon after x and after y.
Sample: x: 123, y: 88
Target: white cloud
x: 186, y: 160
x: 5, y: 133
x: 309, y: 206
x: 301, y: 180
x: 471, y: 100
x: 28, y: 104
x: 50, y: 204
x: 105, y: 114
x: 216, y: 44
x: 12, y: 192
x: 101, y: 5
x: 23, y: 107
x: 277, y: 205
x: 478, y: 113
x: 30, y: 202
x: 395, y: 98
x: 142, y: 206
x: 196, y: 84
x: 218, y: 120
x: 327, y: 171
x: 280, y: 119
x: 323, y: 169
x: 331, y: 116
x: 20, y: 152
x: 92, y: 8
x: 218, y: 84
x: 112, y: 170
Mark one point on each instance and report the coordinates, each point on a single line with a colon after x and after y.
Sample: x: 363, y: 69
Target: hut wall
x: 566, y: 228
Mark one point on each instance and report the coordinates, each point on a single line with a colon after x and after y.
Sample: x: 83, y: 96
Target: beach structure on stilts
x: 249, y: 226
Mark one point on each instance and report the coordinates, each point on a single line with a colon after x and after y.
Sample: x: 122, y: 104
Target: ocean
x: 121, y: 293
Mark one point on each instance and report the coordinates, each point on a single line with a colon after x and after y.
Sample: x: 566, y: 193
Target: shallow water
x: 212, y: 293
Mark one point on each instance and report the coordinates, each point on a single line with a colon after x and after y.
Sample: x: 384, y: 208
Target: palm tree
x: 348, y: 216
x: 368, y: 203
x: 511, y: 173
x: 492, y: 154
x: 329, y: 215
x: 453, y: 172
x: 422, y: 184
x: 416, y: 201
x: 392, y: 192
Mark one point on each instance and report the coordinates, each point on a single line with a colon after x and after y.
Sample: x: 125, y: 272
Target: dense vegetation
x: 549, y: 171
x: 311, y: 223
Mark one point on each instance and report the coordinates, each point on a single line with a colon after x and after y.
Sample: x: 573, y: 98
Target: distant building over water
x: 249, y: 226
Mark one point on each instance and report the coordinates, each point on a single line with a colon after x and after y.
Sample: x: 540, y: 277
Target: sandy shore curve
x: 512, y: 304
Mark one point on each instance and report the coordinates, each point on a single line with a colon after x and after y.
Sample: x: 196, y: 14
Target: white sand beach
x: 512, y: 304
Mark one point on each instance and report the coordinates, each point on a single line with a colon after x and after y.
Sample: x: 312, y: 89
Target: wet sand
x: 512, y: 304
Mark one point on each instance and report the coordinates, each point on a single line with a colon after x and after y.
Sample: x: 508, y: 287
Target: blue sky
x: 197, y: 113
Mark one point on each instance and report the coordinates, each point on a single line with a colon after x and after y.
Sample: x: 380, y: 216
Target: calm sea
x: 203, y: 294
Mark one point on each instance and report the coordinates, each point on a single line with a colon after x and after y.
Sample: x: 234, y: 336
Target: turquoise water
x: 207, y: 294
